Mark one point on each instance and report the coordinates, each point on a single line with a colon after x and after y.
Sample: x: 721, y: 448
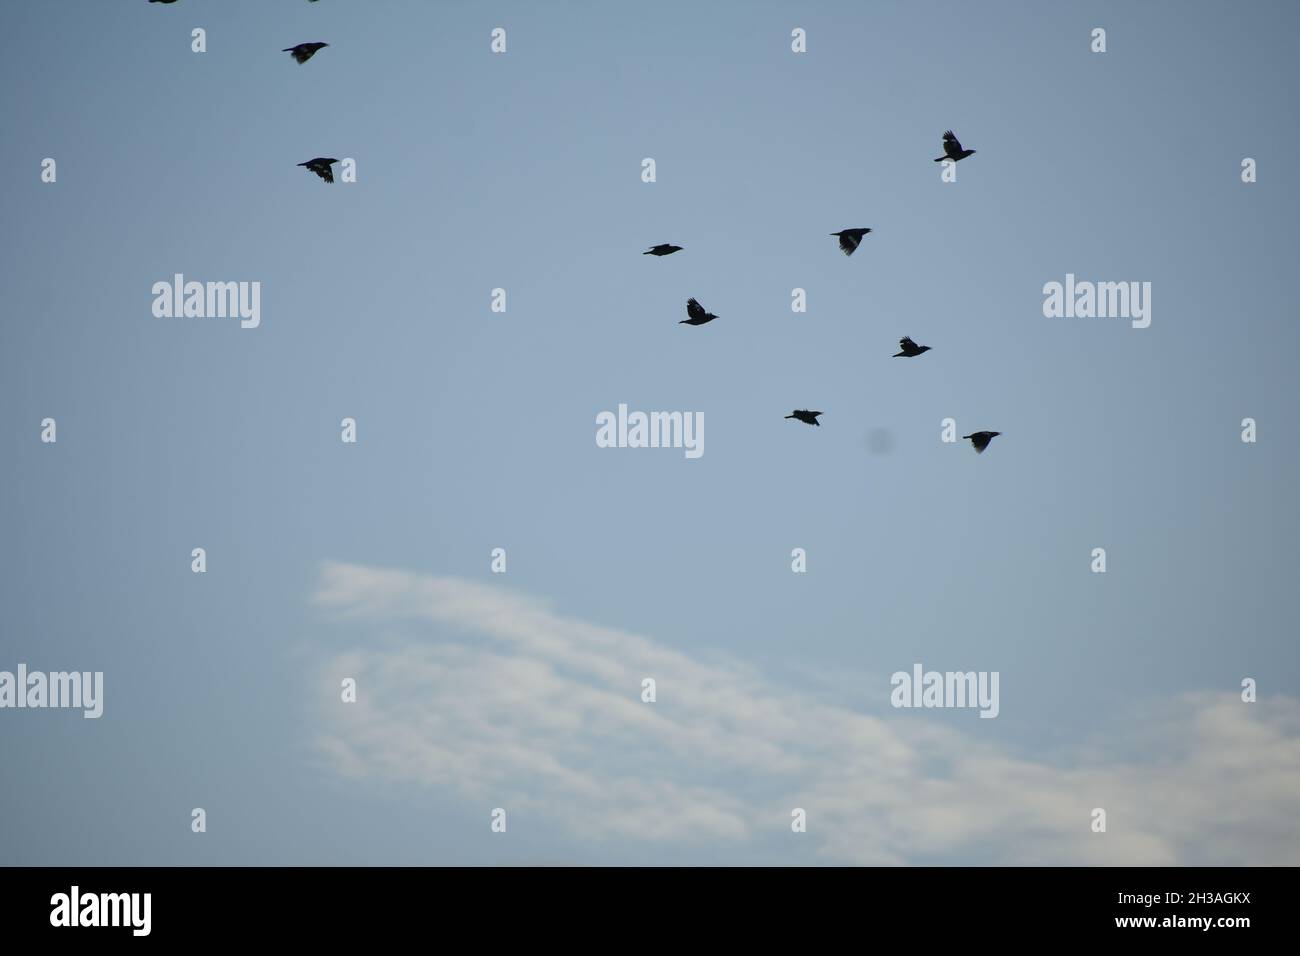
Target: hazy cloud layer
x: 489, y: 695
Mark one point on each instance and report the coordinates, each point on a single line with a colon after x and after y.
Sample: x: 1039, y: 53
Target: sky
x: 476, y: 430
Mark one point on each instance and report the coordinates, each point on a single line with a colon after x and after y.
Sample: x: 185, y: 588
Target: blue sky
x: 476, y: 431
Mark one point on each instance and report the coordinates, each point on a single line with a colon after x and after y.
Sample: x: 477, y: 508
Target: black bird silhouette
x: 910, y: 348
x: 981, y: 440
x: 697, y: 314
x: 663, y: 249
x: 850, y: 238
x: 321, y: 167
x: 304, y: 51
x: 805, y: 416
x: 952, y: 149
x: 162, y: 1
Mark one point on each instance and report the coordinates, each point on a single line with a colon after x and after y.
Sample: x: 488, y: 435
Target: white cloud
x: 490, y: 695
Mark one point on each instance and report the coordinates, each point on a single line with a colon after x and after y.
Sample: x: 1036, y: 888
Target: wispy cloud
x: 491, y: 695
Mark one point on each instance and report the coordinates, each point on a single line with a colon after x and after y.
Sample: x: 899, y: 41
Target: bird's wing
x: 694, y: 309
x: 906, y: 342
x: 849, y: 241
x: 302, y: 55
x: 980, y: 441
x: 950, y: 144
x: 326, y: 172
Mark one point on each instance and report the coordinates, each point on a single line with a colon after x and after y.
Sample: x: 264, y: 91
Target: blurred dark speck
x: 880, y: 441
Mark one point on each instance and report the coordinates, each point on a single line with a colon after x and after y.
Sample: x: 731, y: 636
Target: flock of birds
x: 696, y: 314
x: 849, y: 239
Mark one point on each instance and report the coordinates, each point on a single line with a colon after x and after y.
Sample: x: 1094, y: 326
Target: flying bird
x: 321, y: 167
x: 850, y: 238
x: 697, y: 314
x: 162, y: 1
x: 981, y: 440
x: 910, y: 348
x: 952, y: 149
x: 663, y: 249
x: 805, y: 416
x: 304, y: 51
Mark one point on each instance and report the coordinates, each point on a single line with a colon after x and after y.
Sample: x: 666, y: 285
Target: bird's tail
x: 940, y: 159
x: 789, y: 416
